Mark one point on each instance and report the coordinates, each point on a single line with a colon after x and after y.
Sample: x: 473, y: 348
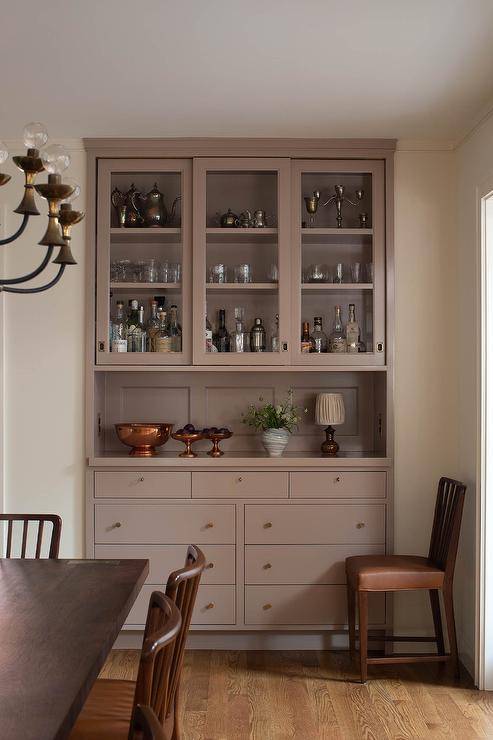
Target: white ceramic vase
x: 275, y: 441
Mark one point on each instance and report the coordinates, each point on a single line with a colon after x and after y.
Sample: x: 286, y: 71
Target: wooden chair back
x: 40, y: 519
x: 145, y: 725
x: 153, y: 679
x: 446, y: 525
x: 182, y: 588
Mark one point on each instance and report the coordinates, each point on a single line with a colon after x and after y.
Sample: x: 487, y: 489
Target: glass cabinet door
x: 143, y: 280
x: 338, y: 268
x: 241, y: 261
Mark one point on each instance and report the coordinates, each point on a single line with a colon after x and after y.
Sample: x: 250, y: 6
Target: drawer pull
x: 141, y: 479
x: 240, y: 479
x: 338, y: 479
x: 267, y: 566
x: 209, y: 565
x: 116, y: 525
x: 267, y: 525
x: 360, y: 525
x: 267, y: 606
x: 210, y: 605
x: 209, y: 525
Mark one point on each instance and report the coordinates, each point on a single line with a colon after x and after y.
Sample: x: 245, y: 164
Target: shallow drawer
x: 214, y: 605
x: 163, y: 559
x: 322, y: 564
x: 290, y: 605
x: 315, y: 524
x: 240, y: 485
x: 164, y: 524
x: 353, y: 484
x: 137, y: 484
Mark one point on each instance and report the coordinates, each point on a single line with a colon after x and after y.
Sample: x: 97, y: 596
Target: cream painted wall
x: 44, y: 373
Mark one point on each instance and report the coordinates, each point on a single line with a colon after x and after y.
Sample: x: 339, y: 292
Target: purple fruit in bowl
x: 205, y: 430
x: 180, y: 431
x: 213, y: 430
x: 224, y: 430
x: 189, y: 428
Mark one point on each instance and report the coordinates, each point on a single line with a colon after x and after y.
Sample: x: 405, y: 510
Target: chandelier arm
x: 53, y: 282
x: 19, y: 231
x: 31, y: 275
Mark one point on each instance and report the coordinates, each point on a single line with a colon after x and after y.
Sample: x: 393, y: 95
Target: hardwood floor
x: 314, y: 696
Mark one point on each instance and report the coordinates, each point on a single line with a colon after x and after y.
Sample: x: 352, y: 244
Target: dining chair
x: 145, y: 725
x: 107, y: 713
x: 181, y: 587
x: 381, y: 573
x: 41, y: 519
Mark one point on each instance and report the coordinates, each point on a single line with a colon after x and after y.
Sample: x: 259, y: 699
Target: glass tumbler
x: 356, y: 272
x: 218, y: 274
x: 150, y: 272
x: 339, y: 273
x: 243, y: 273
x: 165, y: 272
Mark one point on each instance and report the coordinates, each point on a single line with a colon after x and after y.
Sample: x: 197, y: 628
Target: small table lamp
x: 329, y: 409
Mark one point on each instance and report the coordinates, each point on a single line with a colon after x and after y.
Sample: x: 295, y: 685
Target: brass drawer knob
x: 240, y: 479
x: 338, y: 479
x: 360, y: 525
x: 209, y: 525
x: 116, y: 525
x: 267, y: 566
x: 210, y: 605
x: 141, y: 479
x: 209, y: 565
x: 267, y: 525
x: 266, y: 607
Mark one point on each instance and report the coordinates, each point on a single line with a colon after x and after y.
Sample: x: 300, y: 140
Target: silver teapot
x: 152, y: 208
x: 259, y: 219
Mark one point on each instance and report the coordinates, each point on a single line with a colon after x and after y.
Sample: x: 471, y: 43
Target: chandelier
x: 55, y: 159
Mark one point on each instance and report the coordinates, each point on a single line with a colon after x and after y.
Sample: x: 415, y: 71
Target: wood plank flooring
x: 314, y: 696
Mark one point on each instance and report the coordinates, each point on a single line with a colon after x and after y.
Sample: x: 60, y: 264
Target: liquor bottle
x: 174, y: 329
x: 240, y: 339
x: 318, y: 337
x: 258, y: 339
x: 221, y: 338
x: 119, y: 330
x: 163, y: 341
x: 209, y: 345
x: 132, y: 320
x: 274, y: 342
x: 152, y: 327
x: 337, y: 342
x: 137, y: 335
x: 352, y: 331
x: 306, y: 342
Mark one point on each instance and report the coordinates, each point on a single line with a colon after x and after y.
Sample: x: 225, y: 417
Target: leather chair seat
x: 392, y: 573
x: 107, y: 713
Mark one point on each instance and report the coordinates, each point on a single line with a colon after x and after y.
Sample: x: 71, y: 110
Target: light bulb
x: 55, y: 159
x: 35, y: 135
x: 70, y: 181
x: 4, y: 152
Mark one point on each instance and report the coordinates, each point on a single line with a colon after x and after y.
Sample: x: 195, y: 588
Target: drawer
x: 298, y: 605
x: 291, y: 564
x: 353, y: 484
x: 163, y: 559
x: 240, y: 485
x: 164, y: 524
x: 135, y: 484
x: 315, y: 524
x: 214, y: 605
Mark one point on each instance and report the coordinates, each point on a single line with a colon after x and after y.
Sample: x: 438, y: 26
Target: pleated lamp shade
x: 329, y: 409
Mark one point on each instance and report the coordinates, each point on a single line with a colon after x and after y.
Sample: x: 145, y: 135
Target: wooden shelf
x: 335, y: 287
x: 158, y: 234
x: 336, y: 232
x: 242, y: 287
x: 125, y: 287
x: 239, y: 368
x: 241, y: 232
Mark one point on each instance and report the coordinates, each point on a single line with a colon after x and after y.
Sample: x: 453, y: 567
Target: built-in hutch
x: 275, y: 531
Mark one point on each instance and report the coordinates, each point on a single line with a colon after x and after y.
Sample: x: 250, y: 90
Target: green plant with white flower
x: 282, y: 416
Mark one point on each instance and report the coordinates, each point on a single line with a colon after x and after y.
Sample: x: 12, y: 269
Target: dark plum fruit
x: 189, y: 428
x: 213, y: 430
x: 224, y: 430
x: 180, y: 431
x: 205, y: 430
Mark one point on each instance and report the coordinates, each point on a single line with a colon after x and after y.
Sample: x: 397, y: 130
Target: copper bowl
x: 143, y: 438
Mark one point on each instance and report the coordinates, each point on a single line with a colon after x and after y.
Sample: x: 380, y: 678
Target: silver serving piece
x: 118, y: 200
x: 245, y: 220
x: 259, y: 219
x: 311, y: 203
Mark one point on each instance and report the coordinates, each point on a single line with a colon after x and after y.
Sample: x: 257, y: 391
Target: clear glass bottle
x: 221, y: 338
x: 258, y: 339
x: 174, y: 329
x: 306, y: 342
x: 274, y: 342
x: 119, y: 330
x: 337, y: 342
x: 352, y: 331
x: 318, y: 337
x: 152, y: 327
x: 163, y: 341
x: 209, y: 345
x: 137, y: 335
x: 240, y: 339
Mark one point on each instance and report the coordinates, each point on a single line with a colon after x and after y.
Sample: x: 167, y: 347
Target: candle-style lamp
x: 329, y: 409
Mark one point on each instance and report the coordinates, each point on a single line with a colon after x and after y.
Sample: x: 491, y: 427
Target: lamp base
x: 329, y: 448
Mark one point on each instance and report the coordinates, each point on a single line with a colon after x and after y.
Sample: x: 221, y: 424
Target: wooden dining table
x: 58, y: 622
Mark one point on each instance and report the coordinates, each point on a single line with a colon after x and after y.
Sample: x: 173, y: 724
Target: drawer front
x: 169, y: 524
x: 289, y: 605
x: 306, y: 564
x: 353, y: 484
x: 136, y: 484
x: 214, y: 605
x: 163, y: 559
x: 315, y: 524
x: 239, y: 485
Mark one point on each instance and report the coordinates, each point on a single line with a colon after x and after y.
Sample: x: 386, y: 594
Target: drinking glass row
x: 145, y: 271
x: 356, y: 272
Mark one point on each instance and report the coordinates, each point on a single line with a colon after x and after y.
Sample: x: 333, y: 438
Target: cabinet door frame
x: 103, y: 256
x: 376, y: 168
x: 201, y: 166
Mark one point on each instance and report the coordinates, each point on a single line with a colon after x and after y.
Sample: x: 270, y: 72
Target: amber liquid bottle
x: 306, y: 342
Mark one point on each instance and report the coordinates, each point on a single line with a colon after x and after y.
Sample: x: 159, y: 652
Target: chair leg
x: 437, y: 620
x: 351, y: 613
x: 176, y: 733
x: 363, y: 634
x: 448, y: 600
